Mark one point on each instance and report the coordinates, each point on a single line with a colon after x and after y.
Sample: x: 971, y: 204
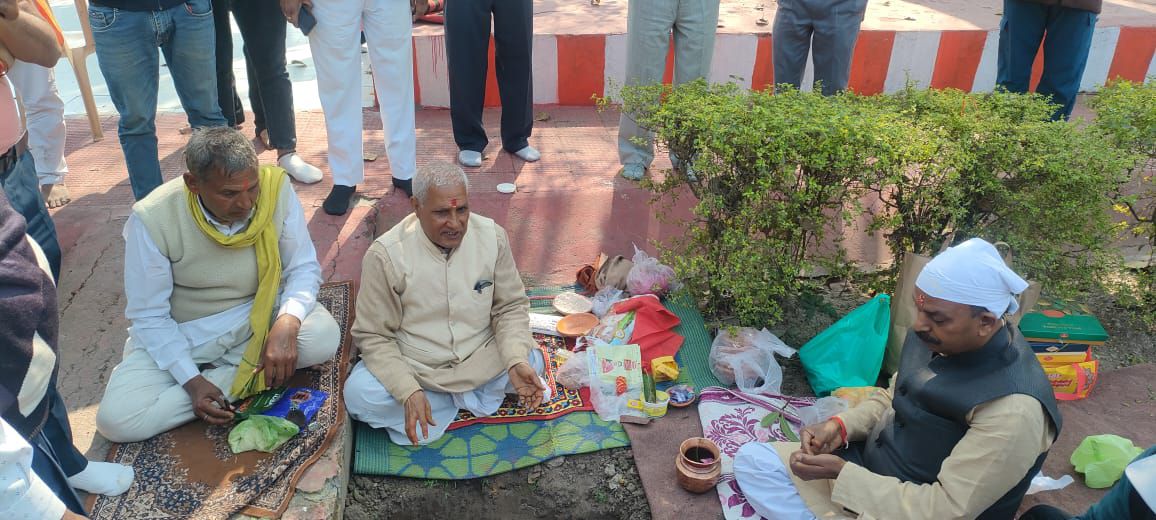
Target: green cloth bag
x: 850, y: 352
x: 1102, y: 459
x: 261, y: 433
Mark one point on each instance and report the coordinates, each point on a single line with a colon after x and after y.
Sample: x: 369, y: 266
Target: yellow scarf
x: 262, y: 234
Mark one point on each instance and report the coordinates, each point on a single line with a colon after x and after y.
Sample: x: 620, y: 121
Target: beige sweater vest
x: 207, y: 278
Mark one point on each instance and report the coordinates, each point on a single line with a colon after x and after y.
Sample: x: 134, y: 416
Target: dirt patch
x: 600, y: 485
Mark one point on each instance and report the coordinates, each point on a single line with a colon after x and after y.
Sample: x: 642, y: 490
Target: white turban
x: 973, y: 273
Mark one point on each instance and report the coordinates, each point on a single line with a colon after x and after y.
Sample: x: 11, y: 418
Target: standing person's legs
x: 1020, y: 33
x: 20, y: 185
x: 467, y: 43
x: 231, y: 107
x: 648, y: 26
x: 337, y: 57
x: 513, y: 60
x: 263, y: 29
x: 101, y: 478
x: 126, y: 49
x: 694, y: 35
x: 1066, y: 48
x: 47, y: 134
x: 836, y: 30
x: 791, y: 42
x: 389, y: 30
x: 191, y: 64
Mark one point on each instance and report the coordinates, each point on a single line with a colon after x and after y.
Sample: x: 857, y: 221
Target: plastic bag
x: 575, y: 373
x: 745, y: 357
x: 850, y: 352
x: 1102, y: 459
x: 261, y: 433
x: 648, y: 276
x: 604, y: 299
x: 822, y: 410
x: 615, y: 379
x: 615, y: 329
x: 298, y: 405
x: 1042, y: 482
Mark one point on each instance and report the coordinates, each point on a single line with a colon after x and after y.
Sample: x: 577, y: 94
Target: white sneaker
x: 470, y: 158
x: 300, y: 170
x: 528, y: 154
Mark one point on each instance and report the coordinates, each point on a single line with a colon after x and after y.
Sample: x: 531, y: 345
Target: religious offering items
x: 569, y: 303
x: 576, y: 325
x: 745, y: 357
x: 1062, y: 334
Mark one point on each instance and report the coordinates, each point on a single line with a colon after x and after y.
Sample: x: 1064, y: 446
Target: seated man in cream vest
x: 442, y: 318
x: 221, y: 280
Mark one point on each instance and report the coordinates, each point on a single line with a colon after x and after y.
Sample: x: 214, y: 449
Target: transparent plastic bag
x: 648, y: 276
x: 745, y: 357
x: 605, y: 299
x: 615, y: 379
x: 822, y: 410
x: 575, y: 373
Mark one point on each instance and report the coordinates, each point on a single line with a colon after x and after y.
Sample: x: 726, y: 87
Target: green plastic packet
x: 261, y: 433
x: 1102, y: 459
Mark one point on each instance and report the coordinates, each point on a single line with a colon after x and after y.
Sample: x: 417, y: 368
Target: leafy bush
x: 775, y: 177
x: 1126, y: 115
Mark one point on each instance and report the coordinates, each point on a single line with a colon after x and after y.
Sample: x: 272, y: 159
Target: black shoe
x: 405, y: 185
x: 337, y: 203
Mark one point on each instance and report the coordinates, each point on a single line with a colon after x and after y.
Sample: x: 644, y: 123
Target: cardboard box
x: 1066, y: 357
x: 1060, y: 326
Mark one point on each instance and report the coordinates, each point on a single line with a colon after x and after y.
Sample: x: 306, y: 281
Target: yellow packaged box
x: 1073, y: 380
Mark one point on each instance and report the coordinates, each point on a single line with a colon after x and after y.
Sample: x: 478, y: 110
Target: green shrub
x: 1126, y: 115
x: 776, y: 176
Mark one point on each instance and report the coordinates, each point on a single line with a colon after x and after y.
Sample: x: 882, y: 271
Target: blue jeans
x: 1066, y: 46
x: 126, y: 48
x: 22, y: 187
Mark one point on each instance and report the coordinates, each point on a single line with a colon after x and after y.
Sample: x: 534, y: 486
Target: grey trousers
x: 649, y: 25
x: 834, y: 26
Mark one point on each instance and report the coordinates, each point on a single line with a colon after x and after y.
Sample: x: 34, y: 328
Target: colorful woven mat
x: 481, y: 450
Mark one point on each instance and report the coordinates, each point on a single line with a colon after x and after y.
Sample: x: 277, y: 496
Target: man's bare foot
x: 55, y: 195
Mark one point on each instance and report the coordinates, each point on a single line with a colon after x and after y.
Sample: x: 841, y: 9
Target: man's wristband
x: 842, y: 431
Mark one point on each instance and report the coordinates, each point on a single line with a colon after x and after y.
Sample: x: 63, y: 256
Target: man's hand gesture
x: 417, y: 413
x: 816, y: 467
x: 527, y: 385
x: 279, y: 357
x: 822, y: 438
x: 209, y: 404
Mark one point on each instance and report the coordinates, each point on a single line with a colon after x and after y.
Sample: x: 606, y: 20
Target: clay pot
x: 698, y: 465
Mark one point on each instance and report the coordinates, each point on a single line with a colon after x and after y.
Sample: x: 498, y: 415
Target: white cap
x: 972, y: 273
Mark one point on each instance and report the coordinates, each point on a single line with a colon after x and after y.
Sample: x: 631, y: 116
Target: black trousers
x: 467, y: 31
x: 262, y: 28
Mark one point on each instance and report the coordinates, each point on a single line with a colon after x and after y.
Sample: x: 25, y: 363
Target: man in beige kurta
x: 442, y: 318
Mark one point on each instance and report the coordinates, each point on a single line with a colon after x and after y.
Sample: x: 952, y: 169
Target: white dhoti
x: 368, y: 401
x: 36, y: 87
x: 764, y: 476
x: 143, y: 400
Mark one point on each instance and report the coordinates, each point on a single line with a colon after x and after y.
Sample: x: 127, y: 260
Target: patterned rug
x: 481, y: 450
x: 564, y: 401
x: 190, y: 472
x: 732, y: 419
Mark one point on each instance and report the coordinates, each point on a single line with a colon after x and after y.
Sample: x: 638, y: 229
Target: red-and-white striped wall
x: 570, y: 69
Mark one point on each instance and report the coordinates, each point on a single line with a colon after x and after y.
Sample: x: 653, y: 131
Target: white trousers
x: 369, y: 402
x: 774, y: 492
x: 143, y: 400
x: 36, y: 87
x: 337, y: 56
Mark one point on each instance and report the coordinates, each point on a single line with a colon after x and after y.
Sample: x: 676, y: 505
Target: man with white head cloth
x: 442, y: 318
x: 967, y: 421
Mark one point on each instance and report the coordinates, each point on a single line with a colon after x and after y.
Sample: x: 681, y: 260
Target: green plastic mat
x: 693, y: 356
x: 485, y: 449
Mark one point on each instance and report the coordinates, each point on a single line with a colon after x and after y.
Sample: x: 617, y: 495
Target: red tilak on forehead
x: 920, y: 299
x: 454, y: 202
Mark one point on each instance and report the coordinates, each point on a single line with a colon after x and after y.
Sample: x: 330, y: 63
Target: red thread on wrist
x: 842, y: 430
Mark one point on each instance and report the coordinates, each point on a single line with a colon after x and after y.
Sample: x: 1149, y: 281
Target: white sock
x: 103, y: 478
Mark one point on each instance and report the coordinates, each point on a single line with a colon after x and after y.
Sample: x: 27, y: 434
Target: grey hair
x: 220, y: 149
x: 438, y: 174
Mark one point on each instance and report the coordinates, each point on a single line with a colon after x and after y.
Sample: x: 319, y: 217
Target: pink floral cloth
x: 731, y: 419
